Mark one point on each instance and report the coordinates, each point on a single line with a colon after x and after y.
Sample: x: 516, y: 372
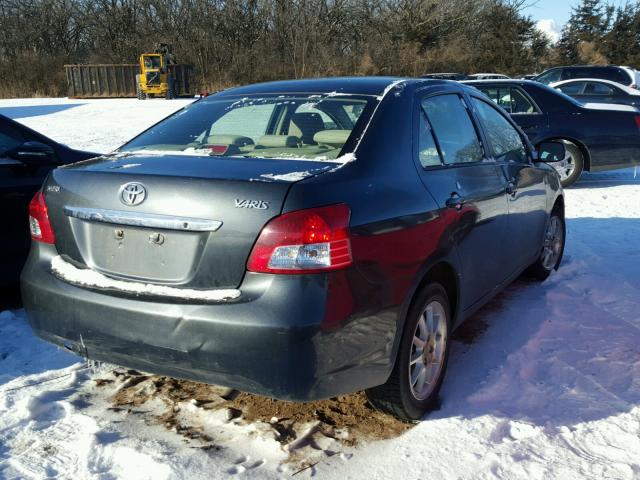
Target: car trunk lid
x: 168, y: 219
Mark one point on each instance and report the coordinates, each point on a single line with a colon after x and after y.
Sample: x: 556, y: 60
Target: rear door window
x: 453, y: 128
x: 519, y: 103
x: 596, y: 88
x: 505, y: 142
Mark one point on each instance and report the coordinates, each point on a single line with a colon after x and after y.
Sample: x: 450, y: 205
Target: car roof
x: 374, y: 86
x: 587, y: 66
x: 517, y: 81
x: 351, y: 85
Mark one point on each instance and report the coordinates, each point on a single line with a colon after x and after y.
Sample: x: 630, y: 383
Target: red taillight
x: 39, y: 224
x: 637, y: 119
x: 305, y: 241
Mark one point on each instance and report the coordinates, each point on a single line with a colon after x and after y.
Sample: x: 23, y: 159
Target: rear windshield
x: 313, y: 127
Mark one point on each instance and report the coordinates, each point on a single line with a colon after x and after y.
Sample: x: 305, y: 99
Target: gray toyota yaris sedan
x: 296, y: 239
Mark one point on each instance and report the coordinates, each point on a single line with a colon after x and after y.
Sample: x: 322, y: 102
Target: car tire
x: 429, y: 320
x: 571, y: 168
x: 552, y: 248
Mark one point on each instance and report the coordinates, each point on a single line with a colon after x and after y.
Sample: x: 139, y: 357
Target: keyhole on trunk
x: 118, y: 233
x: 156, y: 238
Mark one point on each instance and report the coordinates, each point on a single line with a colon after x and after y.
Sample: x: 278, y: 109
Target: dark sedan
x: 597, y: 136
x: 592, y: 90
x: 26, y: 157
x: 298, y: 239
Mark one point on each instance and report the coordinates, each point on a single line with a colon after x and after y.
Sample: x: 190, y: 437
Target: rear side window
x: 504, y: 140
x: 453, y: 129
x: 616, y: 75
x: 594, y: 88
x: 427, y: 150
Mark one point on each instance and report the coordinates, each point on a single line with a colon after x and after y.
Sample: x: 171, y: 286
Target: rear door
x: 18, y: 184
x: 597, y: 92
x: 525, y: 185
x: 453, y: 165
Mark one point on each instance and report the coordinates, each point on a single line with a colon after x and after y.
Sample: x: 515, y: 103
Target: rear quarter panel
x: 397, y: 231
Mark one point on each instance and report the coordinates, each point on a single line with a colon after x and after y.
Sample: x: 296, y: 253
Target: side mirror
x: 35, y: 153
x: 551, y: 151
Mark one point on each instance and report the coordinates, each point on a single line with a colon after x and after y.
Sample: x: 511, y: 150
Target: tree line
x: 600, y: 33
x: 233, y: 42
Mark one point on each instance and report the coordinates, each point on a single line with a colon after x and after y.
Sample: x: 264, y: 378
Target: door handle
x: 512, y: 187
x: 454, y: 201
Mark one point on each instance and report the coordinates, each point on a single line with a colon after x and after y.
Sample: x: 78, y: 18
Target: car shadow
x: 612, y: 178
x: 560, y: 352
x: 35, y: 110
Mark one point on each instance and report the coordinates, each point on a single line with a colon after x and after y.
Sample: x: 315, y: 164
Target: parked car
x: 447, y: 76
x: 26, y: 157
x: 591, y: 90
x: 487, y: 76
x: 597, y: 136
x: 296, y: 239
x: 623, y: 75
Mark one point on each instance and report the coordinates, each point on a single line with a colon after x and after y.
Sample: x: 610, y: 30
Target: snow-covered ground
x: 543, y: 383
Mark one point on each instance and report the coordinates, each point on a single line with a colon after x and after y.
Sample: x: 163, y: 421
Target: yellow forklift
x: 161, y: 76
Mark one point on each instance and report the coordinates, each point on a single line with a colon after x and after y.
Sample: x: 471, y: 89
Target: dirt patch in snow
x: 347, y: 419
x: 351, y: 412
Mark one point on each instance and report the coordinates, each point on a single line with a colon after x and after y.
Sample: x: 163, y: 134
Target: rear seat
x: 333, y: 138
x: 237, y: 140
x: 278, y: 141
x: 306, y: 125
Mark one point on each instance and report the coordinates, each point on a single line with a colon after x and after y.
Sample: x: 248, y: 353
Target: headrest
x: 278, y: 141
x: 335, y: 138
x: 237, y: 140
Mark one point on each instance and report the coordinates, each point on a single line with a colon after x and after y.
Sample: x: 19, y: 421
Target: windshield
x: 313, y: 127
x: 152, y: 62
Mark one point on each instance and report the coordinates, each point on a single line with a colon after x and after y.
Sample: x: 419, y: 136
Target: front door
x: 464, y: 181
x: 524, y: 185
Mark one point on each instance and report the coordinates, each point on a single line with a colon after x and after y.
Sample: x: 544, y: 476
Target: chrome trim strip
x: 138, y: 219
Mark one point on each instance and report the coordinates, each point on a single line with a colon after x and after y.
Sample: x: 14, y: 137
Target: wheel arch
x: 443, y: 271
x: 559, y: 204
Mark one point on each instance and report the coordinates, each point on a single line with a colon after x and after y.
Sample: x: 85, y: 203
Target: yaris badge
x: 133, y: 194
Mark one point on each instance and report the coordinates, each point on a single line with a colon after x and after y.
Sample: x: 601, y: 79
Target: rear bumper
x: 274, y: 340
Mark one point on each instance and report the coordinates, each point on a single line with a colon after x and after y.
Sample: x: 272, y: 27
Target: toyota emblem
x: 133, y: 194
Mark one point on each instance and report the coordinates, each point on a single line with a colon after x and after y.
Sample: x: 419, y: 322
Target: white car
x: 620, y: 74
x: 596, y: 90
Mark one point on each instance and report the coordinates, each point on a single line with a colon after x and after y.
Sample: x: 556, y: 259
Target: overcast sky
x: 551, y: 15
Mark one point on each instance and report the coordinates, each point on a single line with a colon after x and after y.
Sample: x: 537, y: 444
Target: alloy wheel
x: 552, y: 245
x: 428, y: 350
